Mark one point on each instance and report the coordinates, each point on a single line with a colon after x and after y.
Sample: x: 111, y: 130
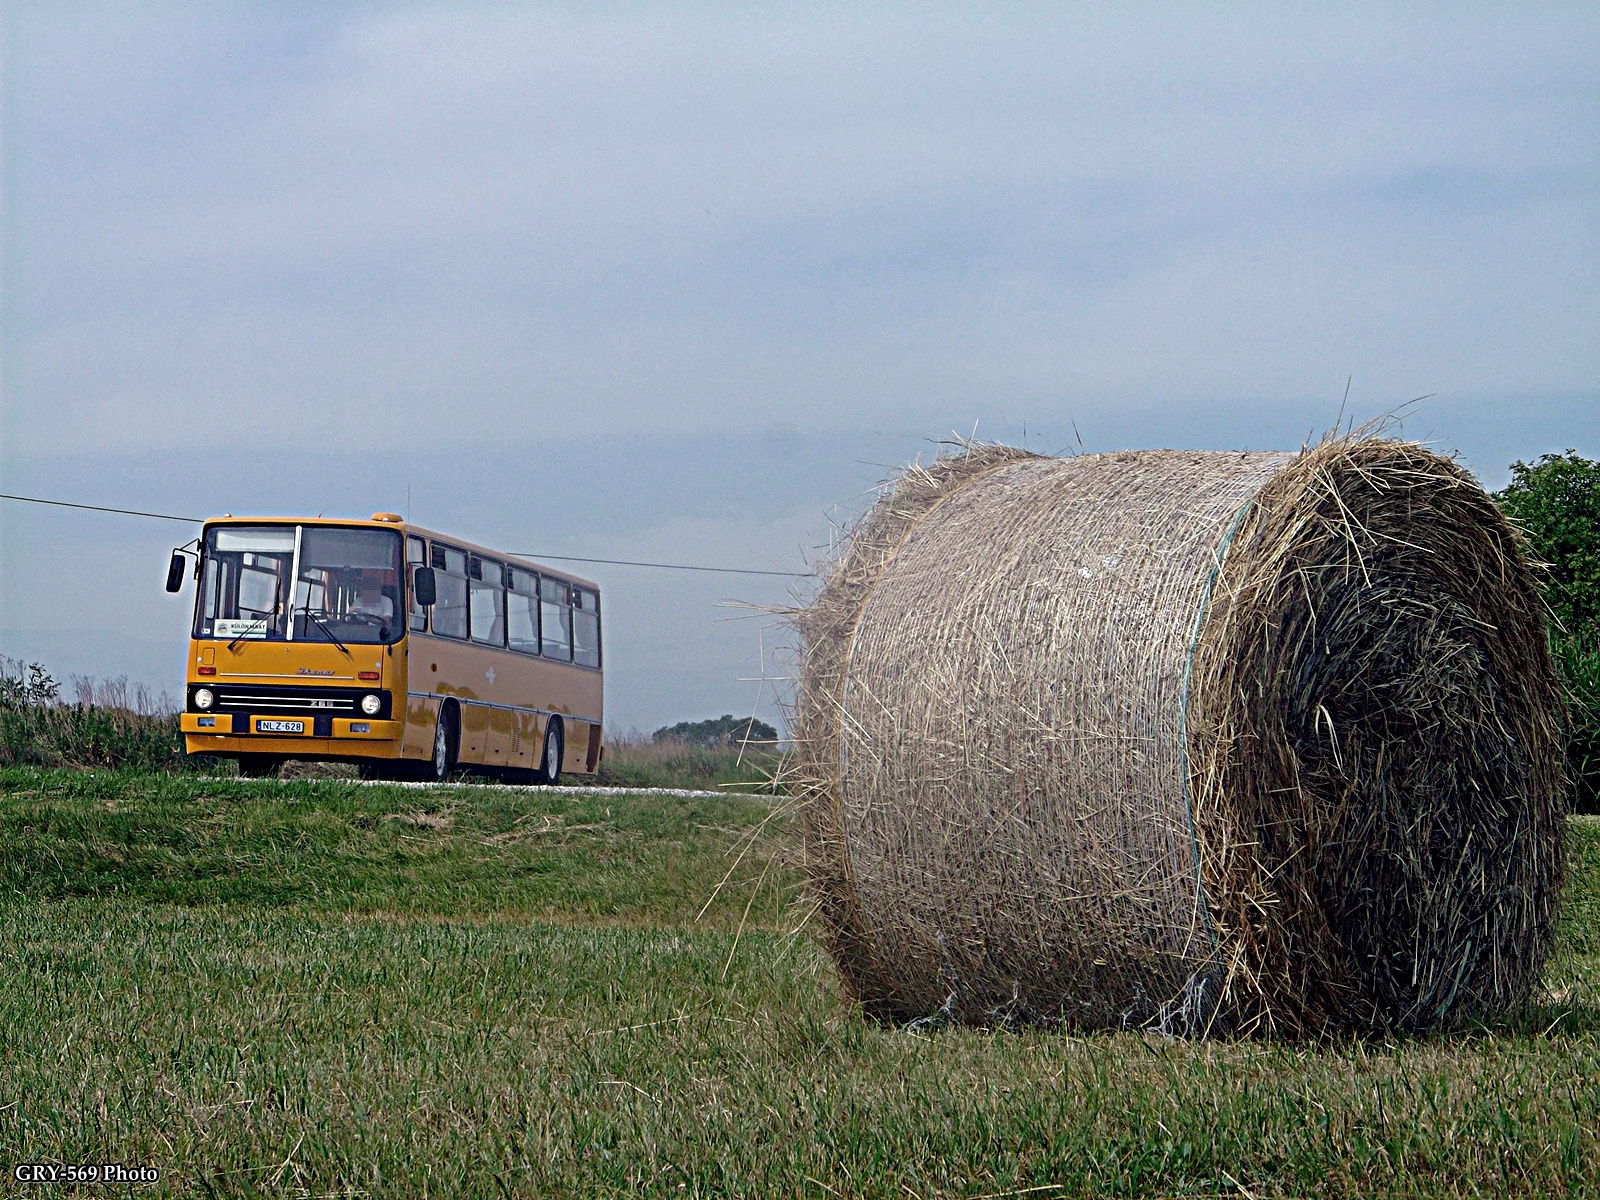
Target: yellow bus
x: 404, y: 651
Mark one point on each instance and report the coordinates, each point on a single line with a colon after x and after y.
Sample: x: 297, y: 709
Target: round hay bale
x: 1194, y: 741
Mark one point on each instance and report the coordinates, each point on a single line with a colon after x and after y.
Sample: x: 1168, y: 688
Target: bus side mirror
x: 175, y: 571
x: 424, y: 588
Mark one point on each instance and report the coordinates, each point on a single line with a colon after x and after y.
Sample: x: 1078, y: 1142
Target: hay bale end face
x: 1198, y: 741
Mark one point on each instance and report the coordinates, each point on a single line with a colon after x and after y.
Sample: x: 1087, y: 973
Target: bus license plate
x: 280, y: 726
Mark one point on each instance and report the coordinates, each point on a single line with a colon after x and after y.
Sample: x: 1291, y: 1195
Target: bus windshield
x: 346, y: 584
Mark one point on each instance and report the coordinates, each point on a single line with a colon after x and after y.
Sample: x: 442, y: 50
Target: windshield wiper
x: 323, y: 625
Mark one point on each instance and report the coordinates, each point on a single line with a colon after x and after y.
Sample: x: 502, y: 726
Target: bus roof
x: 415, y: 531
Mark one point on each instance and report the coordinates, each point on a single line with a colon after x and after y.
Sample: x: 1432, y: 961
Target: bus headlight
x: 203, y: 698
x: 370, y: 704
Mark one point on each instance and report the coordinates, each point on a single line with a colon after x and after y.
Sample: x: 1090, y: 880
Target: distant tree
x: 726, y: 730
x: 1556, y: 503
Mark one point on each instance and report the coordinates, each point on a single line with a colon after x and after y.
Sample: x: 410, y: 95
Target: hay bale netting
x: 1198, y: 741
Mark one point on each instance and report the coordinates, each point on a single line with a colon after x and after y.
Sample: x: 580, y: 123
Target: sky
x: 686, y: 282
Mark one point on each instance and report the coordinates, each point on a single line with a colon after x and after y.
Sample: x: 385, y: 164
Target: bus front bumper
x: 240, y: 726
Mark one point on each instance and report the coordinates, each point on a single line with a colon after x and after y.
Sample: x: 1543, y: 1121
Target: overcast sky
x: 682, y: 281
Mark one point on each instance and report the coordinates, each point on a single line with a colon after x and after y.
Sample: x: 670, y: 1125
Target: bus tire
x: 554, y: 742
x: 446, y: 744
x: 259, y: 766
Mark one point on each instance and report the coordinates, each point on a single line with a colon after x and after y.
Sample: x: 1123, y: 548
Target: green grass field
x: 320, y: 989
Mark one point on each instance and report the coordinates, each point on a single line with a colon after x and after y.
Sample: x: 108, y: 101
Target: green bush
x: 80, y: 735
x: 36, y: 729
x: 1556, y: 503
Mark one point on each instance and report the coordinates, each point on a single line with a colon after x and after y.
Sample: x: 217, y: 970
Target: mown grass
x: 347, y: 847
x: 320, y: 989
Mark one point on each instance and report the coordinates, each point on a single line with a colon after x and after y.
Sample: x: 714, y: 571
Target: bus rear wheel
x: 550, y: 768
x: 259, y: 766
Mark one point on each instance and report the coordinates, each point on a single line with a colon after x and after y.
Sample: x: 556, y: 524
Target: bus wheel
x: 259, y: 766
x: 444, y: 746
x: 550, y: 768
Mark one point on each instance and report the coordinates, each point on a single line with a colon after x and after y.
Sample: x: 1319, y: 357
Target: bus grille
x: 258, y: 702
x: 294, y: 700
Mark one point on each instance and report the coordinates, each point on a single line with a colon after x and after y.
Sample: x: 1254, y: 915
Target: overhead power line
x: 612, y: 562
x: 125, y: 512
x: 623, y: 562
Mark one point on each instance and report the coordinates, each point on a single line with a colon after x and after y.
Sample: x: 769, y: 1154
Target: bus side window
x: 488, y: 602
x: 555, y: 619
x: 522, y: 611
x: 585, y: 627
x: 450, y: 609
x: 415, y: 556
